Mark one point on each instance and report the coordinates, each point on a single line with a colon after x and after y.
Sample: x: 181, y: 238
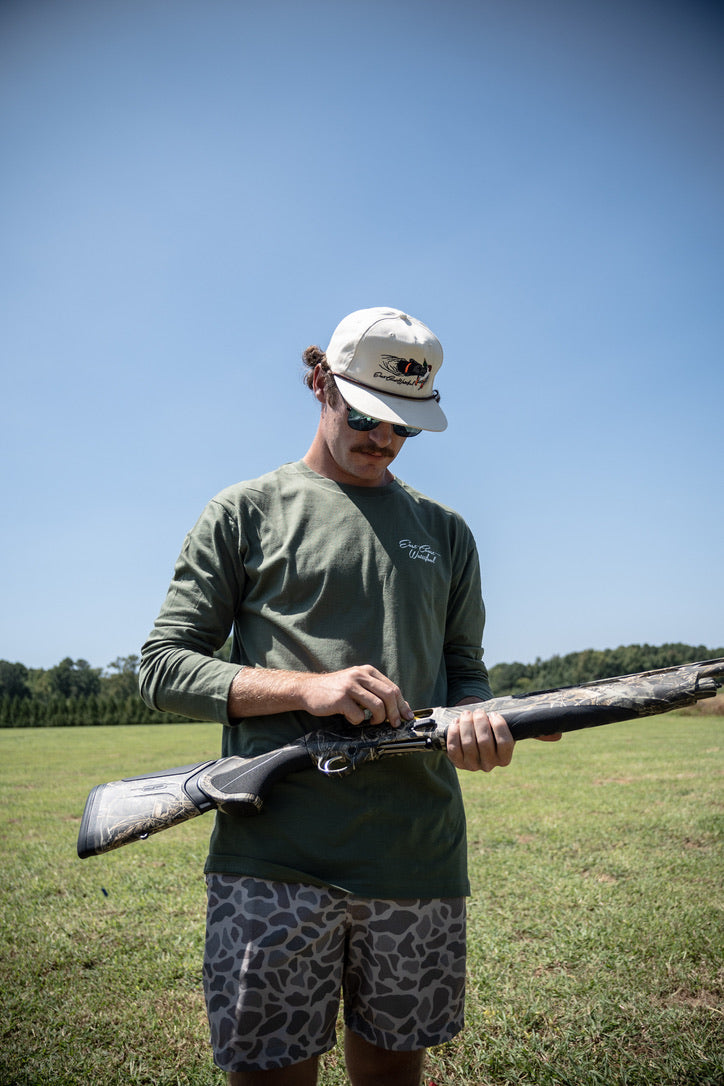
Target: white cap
x: 384, y: 364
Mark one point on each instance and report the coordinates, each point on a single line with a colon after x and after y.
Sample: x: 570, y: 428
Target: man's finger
x: 398, y: 710
x: 383, y: 698
x: 504, y: 742
x: 452, y: 742
x: 480, y: 741
x: 463, y: 744
x: 364, y: 708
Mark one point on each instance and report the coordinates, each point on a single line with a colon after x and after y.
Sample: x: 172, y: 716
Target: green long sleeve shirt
x: 316, y: 576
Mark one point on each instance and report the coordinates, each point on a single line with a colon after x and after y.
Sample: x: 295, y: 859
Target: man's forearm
x: 263, y: 691
x: 358, y: 693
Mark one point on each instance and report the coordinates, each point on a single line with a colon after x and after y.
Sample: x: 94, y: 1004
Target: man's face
x: 360, y: 458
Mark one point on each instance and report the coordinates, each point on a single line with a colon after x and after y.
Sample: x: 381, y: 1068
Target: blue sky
x: 193, y: 191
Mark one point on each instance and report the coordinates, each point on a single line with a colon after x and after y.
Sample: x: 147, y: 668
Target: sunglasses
x: 366, y: 422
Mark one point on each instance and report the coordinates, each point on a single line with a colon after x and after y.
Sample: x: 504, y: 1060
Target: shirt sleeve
x: 466, y: 673
x: 178, y: 671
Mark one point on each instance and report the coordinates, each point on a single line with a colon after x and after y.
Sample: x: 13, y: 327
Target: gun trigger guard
x: 337, y: 765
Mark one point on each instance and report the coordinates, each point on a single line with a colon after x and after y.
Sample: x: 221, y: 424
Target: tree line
x: 591, y: 664
x: 75, y: 694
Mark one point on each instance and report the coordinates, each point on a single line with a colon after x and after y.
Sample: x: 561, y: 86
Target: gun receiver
x: 135, y: 807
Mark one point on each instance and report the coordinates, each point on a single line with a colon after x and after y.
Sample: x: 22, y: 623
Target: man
x: 347, y: 593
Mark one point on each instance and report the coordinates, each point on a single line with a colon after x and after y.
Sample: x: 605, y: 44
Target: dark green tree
x: 123, y: 680
x: 74, y: 679
x: 14, y: 680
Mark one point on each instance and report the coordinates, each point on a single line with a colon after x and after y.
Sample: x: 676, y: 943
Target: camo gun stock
x: 135, y: 807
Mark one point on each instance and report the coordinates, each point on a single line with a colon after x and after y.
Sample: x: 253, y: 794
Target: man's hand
x: 361, y: 694
x: 478, y: 740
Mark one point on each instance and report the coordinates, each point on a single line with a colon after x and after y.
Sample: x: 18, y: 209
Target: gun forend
x: 605, y: 701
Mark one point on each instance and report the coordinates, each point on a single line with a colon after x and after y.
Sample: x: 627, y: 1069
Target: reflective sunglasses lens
x: 360, y: 422
x: 366, y: 422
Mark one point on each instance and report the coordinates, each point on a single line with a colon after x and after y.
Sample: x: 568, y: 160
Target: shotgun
x: 135, y: 807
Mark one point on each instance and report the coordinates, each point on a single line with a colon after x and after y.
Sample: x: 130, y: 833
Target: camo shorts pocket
x: 278, y: 955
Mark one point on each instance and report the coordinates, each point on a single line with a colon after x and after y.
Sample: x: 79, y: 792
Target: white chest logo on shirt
x: 421, y: 551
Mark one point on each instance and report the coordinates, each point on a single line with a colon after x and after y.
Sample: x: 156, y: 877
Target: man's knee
x: 369, y: 1065
x: 298, y: 1074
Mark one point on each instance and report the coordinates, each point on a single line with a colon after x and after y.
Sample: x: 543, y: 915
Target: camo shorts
x: 278, y: 955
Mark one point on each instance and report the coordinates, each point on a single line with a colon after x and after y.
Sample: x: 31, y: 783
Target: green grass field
x: 596, y: 921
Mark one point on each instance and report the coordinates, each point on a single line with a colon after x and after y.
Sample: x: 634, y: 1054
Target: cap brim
x: 404, y: 410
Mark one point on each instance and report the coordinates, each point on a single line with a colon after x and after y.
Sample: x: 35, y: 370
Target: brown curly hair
x: 315, y: 356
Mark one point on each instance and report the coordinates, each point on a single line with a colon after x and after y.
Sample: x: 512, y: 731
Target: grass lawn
x: 596, y: 921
